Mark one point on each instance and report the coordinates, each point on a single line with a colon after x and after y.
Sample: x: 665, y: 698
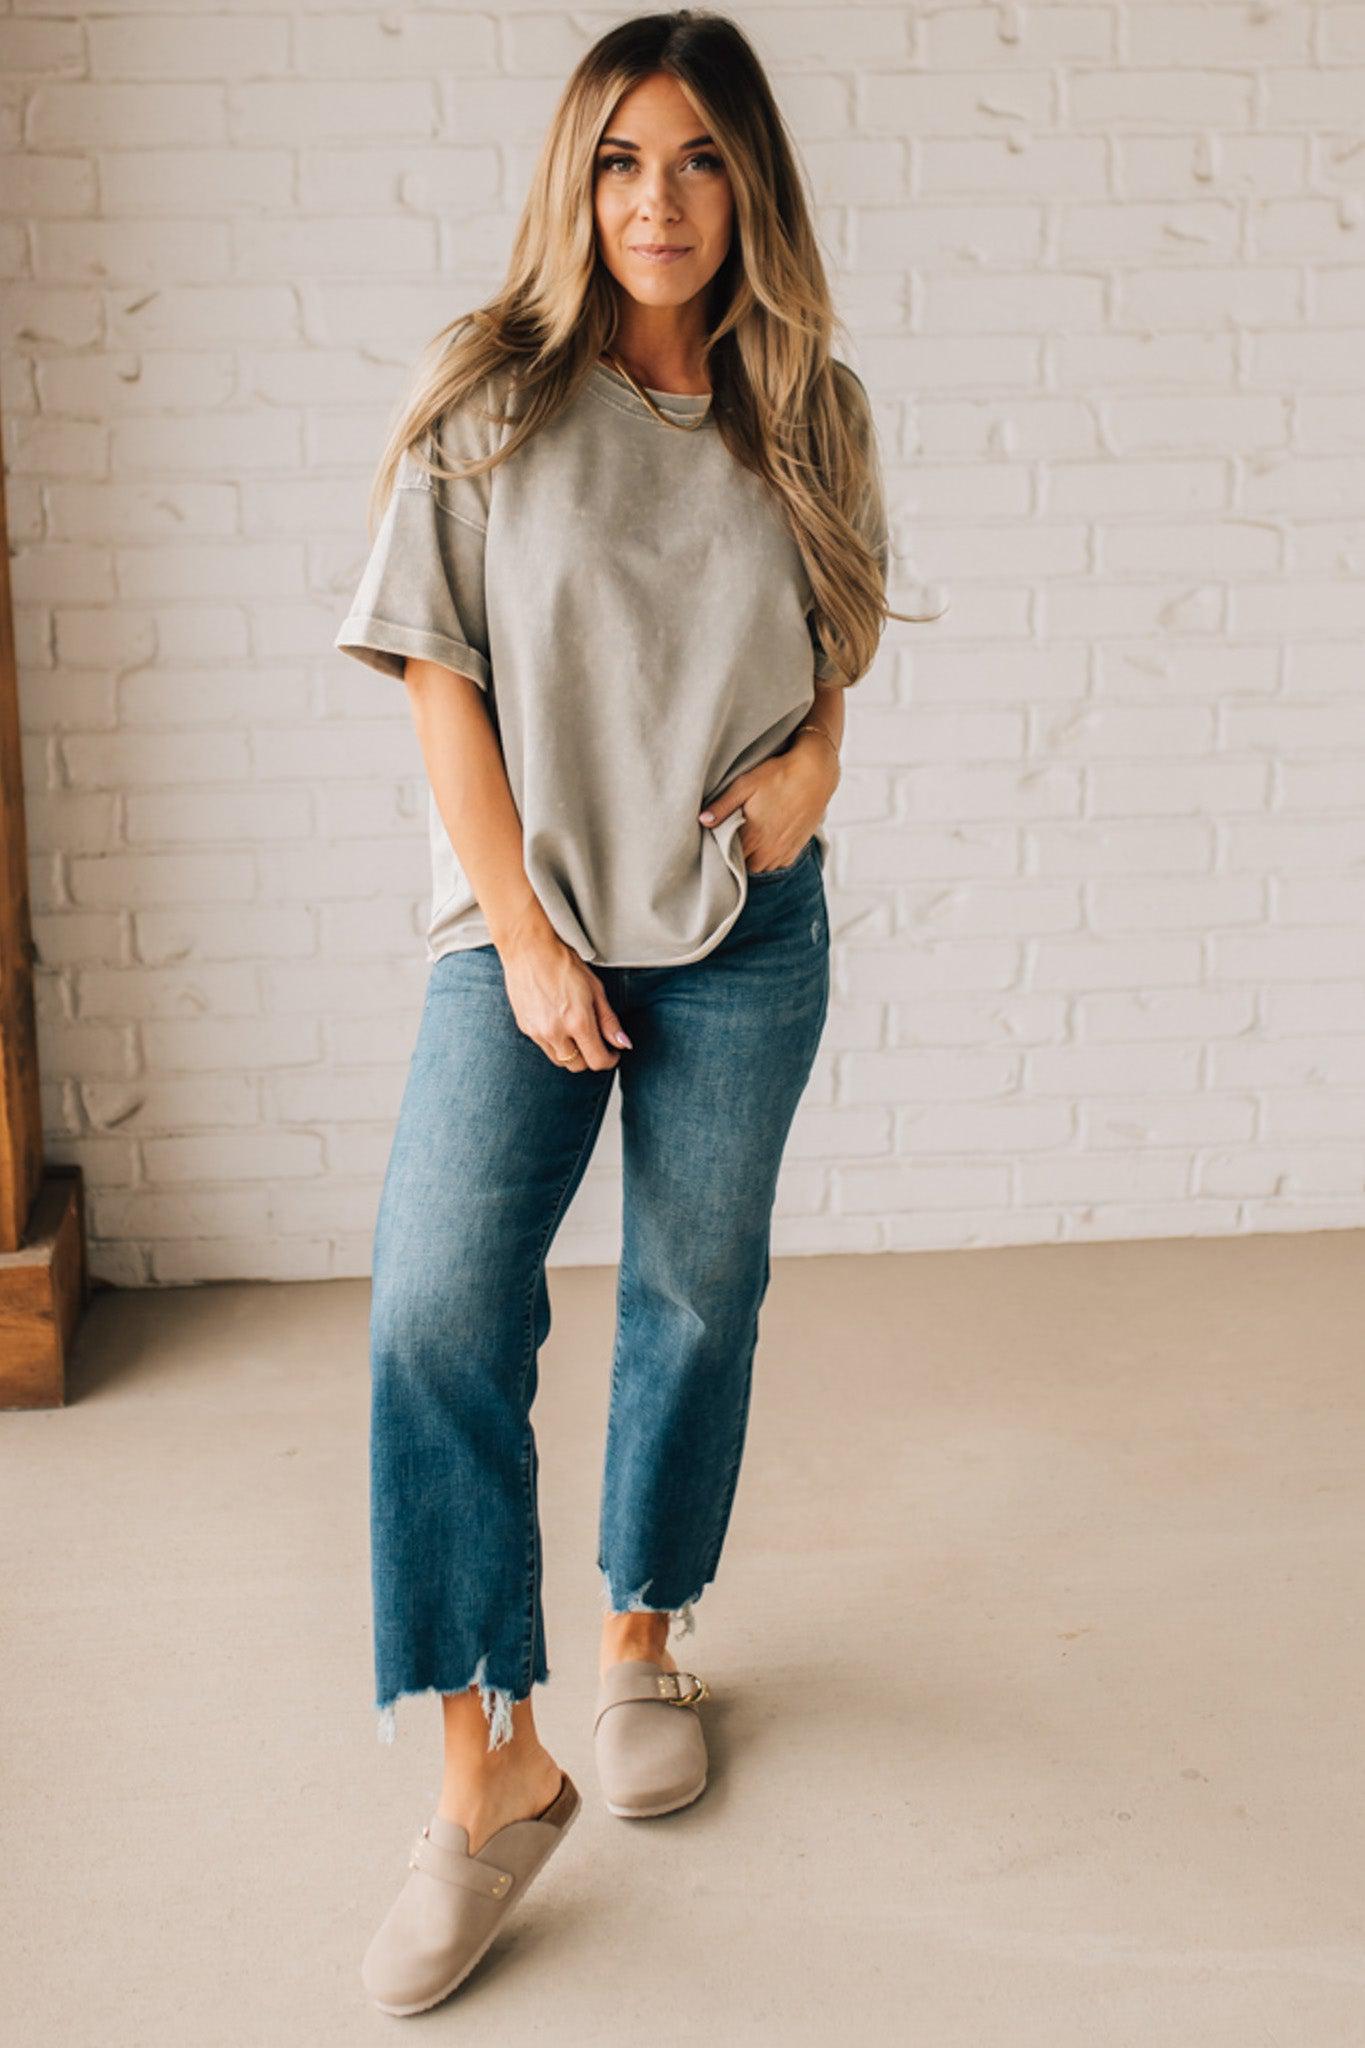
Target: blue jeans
x: 491, y: 1142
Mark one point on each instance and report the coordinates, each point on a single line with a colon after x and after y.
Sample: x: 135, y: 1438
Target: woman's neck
x: 675, y: 369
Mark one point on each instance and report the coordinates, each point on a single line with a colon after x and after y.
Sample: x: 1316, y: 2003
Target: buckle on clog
x: 678, y: 1698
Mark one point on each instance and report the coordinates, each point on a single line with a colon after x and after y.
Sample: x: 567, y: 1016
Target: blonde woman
x: 633, y: 548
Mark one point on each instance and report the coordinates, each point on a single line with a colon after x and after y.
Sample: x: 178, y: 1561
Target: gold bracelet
x: 824, y: 736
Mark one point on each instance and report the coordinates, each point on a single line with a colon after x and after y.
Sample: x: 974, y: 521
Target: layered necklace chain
x: 686, y: 426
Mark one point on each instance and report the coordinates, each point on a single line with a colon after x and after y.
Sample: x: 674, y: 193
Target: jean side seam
x: 623, y: 1291
x: 732, y: 1478
x: 729, y: 1485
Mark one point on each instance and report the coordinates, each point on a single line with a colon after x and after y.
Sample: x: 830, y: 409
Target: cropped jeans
x: 491, y: 1142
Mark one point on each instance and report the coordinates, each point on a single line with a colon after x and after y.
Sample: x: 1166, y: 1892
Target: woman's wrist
x: 525, y: 925
x: 819, y: 744
x: 822, y: 732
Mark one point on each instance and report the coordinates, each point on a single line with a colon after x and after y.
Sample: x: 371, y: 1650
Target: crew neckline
x: 690, y: 402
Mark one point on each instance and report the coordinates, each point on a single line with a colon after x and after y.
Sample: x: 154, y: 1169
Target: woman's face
x: 660, y: 182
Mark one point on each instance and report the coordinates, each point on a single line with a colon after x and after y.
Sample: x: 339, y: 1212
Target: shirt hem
x: 468, y: 945
x: 475, y: 935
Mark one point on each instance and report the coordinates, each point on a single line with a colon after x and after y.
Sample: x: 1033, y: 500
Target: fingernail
x: 707, y: 817
x: 621, y: 1039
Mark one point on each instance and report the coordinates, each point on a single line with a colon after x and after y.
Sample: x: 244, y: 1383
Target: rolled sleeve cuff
x: 386, y: 647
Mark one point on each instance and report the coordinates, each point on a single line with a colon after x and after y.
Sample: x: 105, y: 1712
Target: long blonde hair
x: 779, y: 404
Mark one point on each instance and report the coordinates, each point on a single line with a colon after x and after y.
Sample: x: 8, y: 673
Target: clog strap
x: 624, y: 1681
x: 453, y: 1866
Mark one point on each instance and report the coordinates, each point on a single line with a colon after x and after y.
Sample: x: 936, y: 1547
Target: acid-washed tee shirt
x: 636, y: 610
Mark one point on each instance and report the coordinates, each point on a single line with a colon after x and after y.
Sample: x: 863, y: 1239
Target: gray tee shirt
x: 637, y: 611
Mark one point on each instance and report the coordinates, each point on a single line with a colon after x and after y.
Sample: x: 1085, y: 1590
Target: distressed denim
x: 491, y: 1142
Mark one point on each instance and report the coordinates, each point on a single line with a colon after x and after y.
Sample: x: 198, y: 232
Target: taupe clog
x: 453, y: 1903
x: 651, y: 1757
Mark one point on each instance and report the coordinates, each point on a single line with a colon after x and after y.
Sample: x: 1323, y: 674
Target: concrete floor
x: 1036, y: 1654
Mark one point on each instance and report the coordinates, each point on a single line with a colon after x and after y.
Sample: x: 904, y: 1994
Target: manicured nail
x: 707, y: 817
x: 621, y: 1039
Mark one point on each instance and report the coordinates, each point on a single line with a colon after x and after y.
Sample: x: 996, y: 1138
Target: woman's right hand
x: 559, y: 1002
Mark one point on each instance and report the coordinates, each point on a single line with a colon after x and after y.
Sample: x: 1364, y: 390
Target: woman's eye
x: 704, y: 158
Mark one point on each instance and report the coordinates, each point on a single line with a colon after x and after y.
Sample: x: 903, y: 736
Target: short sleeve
x: 870, y: 516
x: 422, y: 591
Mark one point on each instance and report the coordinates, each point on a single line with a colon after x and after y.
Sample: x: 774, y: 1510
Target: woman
x: 633, y: 547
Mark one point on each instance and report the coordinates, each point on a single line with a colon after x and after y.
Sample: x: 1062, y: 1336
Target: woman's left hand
x: 784, y: 799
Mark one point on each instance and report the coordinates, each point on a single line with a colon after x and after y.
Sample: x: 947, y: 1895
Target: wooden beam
x: 44, y: 1282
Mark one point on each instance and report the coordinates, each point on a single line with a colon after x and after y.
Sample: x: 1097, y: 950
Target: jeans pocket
x: 776, y: 874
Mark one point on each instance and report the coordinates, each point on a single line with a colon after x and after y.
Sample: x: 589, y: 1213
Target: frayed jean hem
x: 635, y: 1603
x: 497, y: 1703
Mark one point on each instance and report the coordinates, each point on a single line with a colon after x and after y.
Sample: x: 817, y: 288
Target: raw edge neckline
x: 678, y: 401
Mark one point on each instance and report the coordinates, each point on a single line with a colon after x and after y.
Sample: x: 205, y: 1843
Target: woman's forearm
x: 474, y: 798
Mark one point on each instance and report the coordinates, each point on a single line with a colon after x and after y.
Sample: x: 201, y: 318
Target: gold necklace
x: 687, y: 426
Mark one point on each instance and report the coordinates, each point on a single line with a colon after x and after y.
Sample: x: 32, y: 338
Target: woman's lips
x: 658, y: 255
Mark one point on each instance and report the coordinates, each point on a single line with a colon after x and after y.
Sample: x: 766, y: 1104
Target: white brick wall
x: 1099, y: 882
